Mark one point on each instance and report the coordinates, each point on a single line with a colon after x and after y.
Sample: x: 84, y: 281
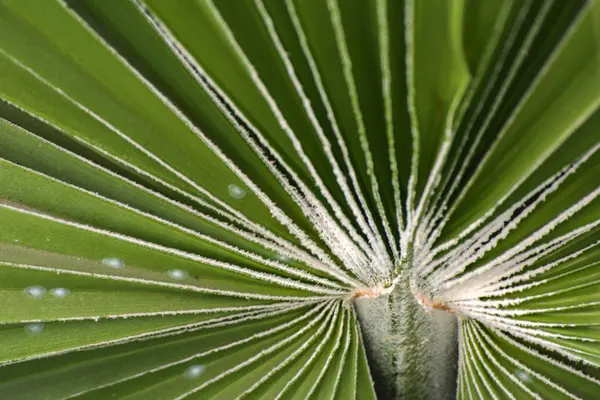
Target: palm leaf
x: 299, y: 199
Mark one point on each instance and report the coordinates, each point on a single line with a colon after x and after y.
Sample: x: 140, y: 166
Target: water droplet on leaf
x: 524, y: 376
x: 60, y: 292
x: 194, y: 371
x: 178, y: 274
x: 236, y: 192
x: 35, y: 292
x: 113, y: 262
x: 34, y: 329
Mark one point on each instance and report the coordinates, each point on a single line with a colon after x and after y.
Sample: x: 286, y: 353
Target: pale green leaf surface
x: 123, y: 26
x: 549, y: 114
x: 58, y: 336
x: 126, y: 361
x: 85, y: 84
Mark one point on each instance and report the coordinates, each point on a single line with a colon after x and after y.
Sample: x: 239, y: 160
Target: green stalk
x: 412, y: 350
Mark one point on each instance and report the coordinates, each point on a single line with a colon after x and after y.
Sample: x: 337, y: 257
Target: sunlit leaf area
x: 299, y: 199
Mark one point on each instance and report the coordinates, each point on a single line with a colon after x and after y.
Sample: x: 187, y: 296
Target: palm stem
x: 412, y: 350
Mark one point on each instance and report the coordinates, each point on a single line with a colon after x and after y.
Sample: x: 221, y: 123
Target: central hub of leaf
x: 412, y: 349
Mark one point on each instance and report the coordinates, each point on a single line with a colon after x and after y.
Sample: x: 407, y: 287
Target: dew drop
x: 178, y: 274
x: 60, y: 292
x: 282, y: 258
x: 524, y: 376
x: 35, y: 292
x: 113, y: 262
x: 194, y: 371
x: 34, y: 329
x: 236, y: 192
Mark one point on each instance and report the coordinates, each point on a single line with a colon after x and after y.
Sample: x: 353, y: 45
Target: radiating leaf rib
x: 348, y: 195
x: 347, y: 386
x: 226, y: 360
x: 323, y: 95
x: 544, y: 368
x: 155, y: 260
x: 120, y: 330
x: 84, y: 302
x: 21, y: 147
x: 507, y: 376
x: 489, y: 385
x: 273, y: 208
x: 245, y: 90
x: 209, y: 14
x: 324, y: 362
x: 492, y: 380
x: 346, y: 54
x: 248, y: 379
x: 365, y: 388
x: 311, y: 157
x: 162, y: 67
x: 536, y: 381
x: 312, y: 372
x: 279, y: 375
x: 360, y: 34
x: 428, y: 94
x: 116, y: 216
x: 295, y: 385
x: 464, y: 370
x: 577, y: 190
x: 547, y: 133
x: 476, y: 387
x: 106, y: 215
x: 480, y: 27
x: 140, y: 356
x: 385, y: 59
x: 268, y: 23
x: 329, y: 384
x: 536, y: 269
x: 311, y: 21
x: 462, y: 391
x: 81, y: 85
x: 481, y: 89
x: 333, y: 310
